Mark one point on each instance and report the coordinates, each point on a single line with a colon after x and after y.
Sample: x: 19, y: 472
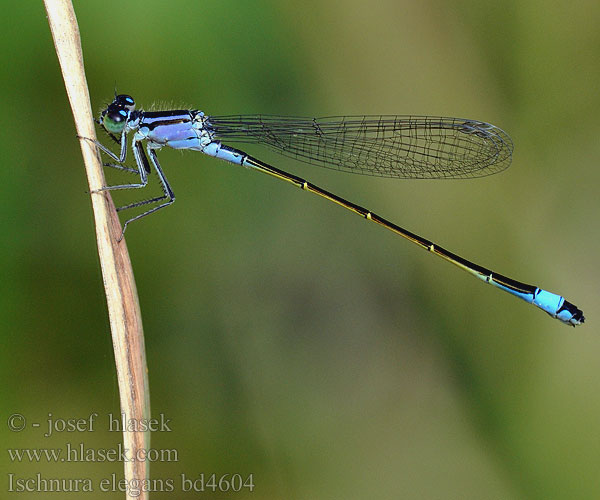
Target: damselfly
x: 407, y: 147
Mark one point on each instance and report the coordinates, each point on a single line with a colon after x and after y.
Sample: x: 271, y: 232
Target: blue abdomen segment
x: 555, y: 305
x: 226, y: 153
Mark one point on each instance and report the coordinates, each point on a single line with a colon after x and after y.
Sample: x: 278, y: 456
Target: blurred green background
x: 285, y: 337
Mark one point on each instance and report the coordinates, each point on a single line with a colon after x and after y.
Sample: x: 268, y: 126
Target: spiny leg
x: 142, y: 163
x: 122, y: 168
x: 122, y: 142
x: 168, y: 192
x: 143, y: 170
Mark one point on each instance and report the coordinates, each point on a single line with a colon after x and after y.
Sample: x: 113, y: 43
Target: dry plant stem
x: 119, y: 284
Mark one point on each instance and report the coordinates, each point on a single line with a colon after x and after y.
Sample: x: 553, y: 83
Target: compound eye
x: 114, y: 120
x: 125, y: 101
x: 117, y: 115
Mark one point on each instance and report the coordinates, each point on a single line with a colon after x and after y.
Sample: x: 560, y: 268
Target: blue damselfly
x: 407, y: 147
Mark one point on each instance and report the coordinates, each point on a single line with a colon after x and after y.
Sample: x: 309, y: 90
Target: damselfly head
x: 114, y: 117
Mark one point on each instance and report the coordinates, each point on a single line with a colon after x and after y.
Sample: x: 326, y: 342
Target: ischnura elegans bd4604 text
x: 400, y: 146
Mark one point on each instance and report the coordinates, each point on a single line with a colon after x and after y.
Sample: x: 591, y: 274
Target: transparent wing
x: 409, y: 147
